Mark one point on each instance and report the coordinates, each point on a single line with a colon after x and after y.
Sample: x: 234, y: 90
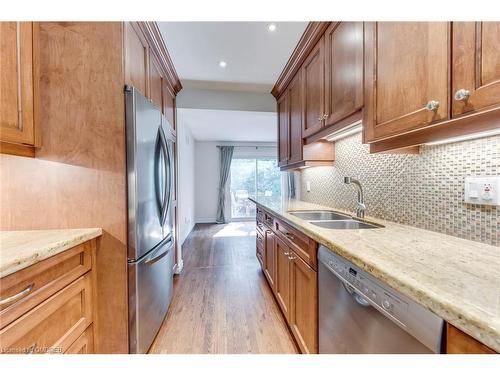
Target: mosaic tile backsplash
x: 424, y: 190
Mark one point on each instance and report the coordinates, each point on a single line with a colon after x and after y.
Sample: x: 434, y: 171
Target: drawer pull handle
x: 432, y: 105
x: 462, y: 95
x: 292, y: 258
x: 286, y: 254
x: 17, y: 296
x: 289, y: 236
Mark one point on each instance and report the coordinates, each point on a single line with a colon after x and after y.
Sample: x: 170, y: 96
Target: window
x: 251, y: 176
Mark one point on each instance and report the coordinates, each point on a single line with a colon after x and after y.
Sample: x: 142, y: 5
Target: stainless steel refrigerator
x: 150, y: 168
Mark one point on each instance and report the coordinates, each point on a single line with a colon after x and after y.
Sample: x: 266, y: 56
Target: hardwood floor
x: 222, y: 303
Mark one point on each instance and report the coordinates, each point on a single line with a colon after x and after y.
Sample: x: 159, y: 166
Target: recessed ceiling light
x: 272, y: 27
x: 222, y: 64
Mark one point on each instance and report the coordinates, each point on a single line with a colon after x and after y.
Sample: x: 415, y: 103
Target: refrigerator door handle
x: 167, y: 185
x: 158, y: 149
x: 153, y: 258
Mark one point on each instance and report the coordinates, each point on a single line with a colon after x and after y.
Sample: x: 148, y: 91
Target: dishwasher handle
x: 359, y: 298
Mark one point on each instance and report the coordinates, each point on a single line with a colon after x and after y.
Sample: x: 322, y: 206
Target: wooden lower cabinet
x: 458, y: 342
x: 270, y: 259
x: 294, y: 284
x: 55, y: 307
x: 83, y: 344
x: 282, y: 288
x: 304, y: 304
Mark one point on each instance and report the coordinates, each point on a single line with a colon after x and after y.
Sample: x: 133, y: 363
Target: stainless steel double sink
x: 333, y: 220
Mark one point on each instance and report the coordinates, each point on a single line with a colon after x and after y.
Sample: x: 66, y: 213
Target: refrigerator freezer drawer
x: 150, y: 293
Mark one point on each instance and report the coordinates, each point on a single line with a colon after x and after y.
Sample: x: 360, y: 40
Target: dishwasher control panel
x: 369, y: 289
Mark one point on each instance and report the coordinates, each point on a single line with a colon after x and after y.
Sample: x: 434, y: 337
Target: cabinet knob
x: 325, y: 116
x: 462, y: 95
x: 432, y: 105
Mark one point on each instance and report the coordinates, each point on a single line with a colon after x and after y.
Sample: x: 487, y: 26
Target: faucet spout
x: 360, y: 206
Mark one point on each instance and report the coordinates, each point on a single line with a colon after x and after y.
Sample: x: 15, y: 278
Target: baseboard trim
x: 179, y: 267
x: 209, y: 220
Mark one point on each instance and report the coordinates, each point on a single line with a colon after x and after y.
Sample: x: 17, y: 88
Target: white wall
x: 186, y: 175
x: 206, y: 181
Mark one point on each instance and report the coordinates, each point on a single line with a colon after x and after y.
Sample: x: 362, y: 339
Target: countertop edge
x: 460, y: 318
x: 50, y: 249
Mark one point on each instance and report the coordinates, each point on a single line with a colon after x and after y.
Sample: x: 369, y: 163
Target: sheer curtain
x: 226, y: 155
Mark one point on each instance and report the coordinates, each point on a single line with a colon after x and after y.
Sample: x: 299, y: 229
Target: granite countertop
x: 21, y: 249
x: 455, y: 278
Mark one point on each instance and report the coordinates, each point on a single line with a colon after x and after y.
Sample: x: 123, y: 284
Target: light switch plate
x: 482, y: 190
x: 308, y: 186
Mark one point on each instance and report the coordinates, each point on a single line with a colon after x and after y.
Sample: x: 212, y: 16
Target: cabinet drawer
x: 259, y: 214
x: 55, y: 324
x: 260, y: 226
x: 268, y: 220
x: 83, y: 344
x: 36, y: 283
x: 298, y: 242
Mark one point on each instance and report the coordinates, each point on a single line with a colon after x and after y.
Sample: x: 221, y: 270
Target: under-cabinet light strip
x: 467, y: 137
x: 352, y: 129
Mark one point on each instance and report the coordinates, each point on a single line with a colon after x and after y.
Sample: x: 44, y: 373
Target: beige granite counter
x: 21, y: 249
x: 457, y: 279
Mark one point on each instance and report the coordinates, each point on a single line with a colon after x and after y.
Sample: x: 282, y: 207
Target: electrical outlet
x: 482, y: 190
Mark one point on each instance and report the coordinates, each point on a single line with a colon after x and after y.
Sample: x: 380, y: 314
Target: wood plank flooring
x: 222, y: 303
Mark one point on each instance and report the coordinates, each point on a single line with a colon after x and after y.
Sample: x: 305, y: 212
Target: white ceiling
x: 253, y: 54
x: 229, y: 126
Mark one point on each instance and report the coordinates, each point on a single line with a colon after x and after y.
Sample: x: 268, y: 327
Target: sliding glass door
x: 252, y: 176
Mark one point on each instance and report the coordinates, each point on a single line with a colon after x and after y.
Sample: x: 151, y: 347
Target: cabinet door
x: 16, y: 83
x: 458, y: 342
x: 313, y: 76
x: 169, y: 104
x: 83, y: 344
x: 304, y: 305
x: 295, y: 107
x: 136, y: 58
x: 261, y: 248
x: 407, y: 74
x: 282, y: 275
x: 283, y: 132
x: 155, y: 81
x: 270, y: 261
x: 476, y: 66
x: 343, y: 70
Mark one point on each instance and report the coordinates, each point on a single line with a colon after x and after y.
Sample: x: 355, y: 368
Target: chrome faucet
x: 360, y: 206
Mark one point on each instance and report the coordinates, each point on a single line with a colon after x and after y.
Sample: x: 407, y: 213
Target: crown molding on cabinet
x: 157, y: 44
x: 314, y: 31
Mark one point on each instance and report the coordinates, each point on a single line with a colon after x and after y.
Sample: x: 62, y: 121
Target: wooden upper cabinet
x: 283, y: 132
x: 295, y: 126
x: 169, y: 105
x: 156, y: 80
x: 304, y: 304
x: 313, y: 79
x: 16, y: 84
x: 476, y: 66
x: 136, y: 58
x: 407, y: 75
x: 343, y: 70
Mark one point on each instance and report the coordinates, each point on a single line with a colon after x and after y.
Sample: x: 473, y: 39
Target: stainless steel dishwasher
x: 360, y: 314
